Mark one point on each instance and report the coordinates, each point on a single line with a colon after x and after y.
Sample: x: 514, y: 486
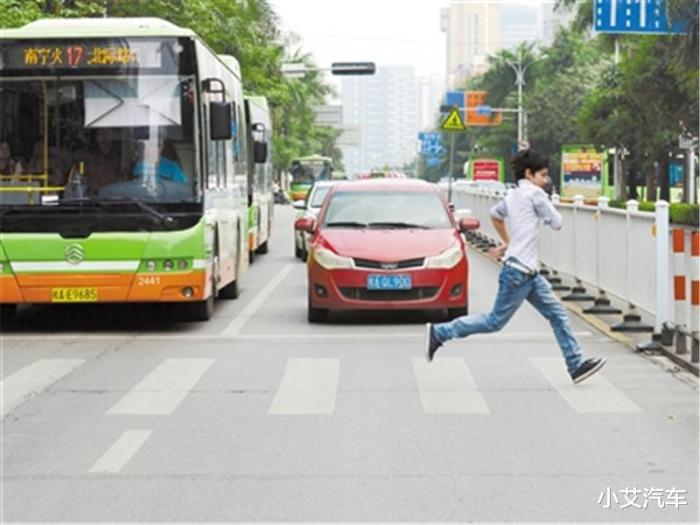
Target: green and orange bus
x: 130, y: 159
x: 307, y: 170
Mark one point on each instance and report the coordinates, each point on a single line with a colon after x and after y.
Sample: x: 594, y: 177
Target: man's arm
x: 546, y: 211
x: 498, y: 214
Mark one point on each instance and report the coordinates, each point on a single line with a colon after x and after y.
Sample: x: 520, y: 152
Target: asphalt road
x: 123, y: 414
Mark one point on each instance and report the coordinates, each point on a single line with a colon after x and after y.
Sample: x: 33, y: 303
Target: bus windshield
x: 109, y: 130
x: 308, y: 172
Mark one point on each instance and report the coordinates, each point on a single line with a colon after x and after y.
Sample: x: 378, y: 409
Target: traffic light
x: 353, y: 68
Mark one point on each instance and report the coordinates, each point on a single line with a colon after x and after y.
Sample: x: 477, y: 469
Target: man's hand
x: 497, y: 252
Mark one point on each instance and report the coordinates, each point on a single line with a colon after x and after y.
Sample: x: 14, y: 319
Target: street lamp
x: 519, y: 70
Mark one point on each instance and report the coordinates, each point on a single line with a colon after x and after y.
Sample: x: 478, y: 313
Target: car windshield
x: 318, y: 195
x: 394, y: 209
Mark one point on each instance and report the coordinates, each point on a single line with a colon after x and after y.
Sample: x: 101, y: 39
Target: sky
x: 387, y: 32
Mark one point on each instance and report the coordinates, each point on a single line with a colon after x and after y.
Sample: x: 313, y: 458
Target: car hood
x: 387, y: 245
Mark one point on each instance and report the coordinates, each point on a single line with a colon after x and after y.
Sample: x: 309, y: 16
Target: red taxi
x: 386, y: 244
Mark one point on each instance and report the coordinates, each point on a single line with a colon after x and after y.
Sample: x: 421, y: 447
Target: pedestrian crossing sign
x: 453, y: 122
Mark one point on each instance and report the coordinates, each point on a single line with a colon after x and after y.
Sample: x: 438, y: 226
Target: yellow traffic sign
x: 453, y: 122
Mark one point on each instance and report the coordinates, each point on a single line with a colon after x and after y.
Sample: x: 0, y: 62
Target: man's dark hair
x: 528, y: 159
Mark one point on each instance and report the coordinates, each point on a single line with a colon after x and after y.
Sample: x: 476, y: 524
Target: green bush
x: 679, y: 212
x: 682, y: 213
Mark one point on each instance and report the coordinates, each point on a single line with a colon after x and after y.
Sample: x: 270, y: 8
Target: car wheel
x: 454, y: 313
x: 316, y: 315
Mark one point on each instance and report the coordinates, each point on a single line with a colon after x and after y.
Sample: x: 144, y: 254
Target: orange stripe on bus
x: 678, y: 240
x: 679, y: 288
x: 9, y: 291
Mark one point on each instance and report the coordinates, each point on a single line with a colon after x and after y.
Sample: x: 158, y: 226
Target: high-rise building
x: 386, y: 111
x: 431, y: 94
x: 477, y: 29
x: 473, y: 33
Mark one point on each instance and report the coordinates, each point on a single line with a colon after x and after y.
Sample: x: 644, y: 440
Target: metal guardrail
x: 625, y: 254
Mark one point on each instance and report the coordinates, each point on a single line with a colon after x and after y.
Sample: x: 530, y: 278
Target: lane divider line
x: 121, y: 452
x: 239, y: 322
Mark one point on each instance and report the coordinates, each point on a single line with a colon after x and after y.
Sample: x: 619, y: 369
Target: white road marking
x: 446, y: 387
x: 595, y: 395
x: 121, y: 451
x: 161, y: 391
x: 31, y: 380
x: 309, y: 386
x: 248, y: 312
x: 524, y: 337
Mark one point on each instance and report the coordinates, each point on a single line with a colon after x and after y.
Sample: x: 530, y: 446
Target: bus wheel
x: 232, y: 290
x: 202, y: 310
x: 7, y: 313
x: 262, y: 249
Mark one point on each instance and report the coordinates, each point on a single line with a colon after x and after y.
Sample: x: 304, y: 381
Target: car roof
x: 385, y: 185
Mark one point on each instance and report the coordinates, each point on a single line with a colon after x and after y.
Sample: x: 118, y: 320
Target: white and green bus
x: 260, y: 175
x: 123, y: 166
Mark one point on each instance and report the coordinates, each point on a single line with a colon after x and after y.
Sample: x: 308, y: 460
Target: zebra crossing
x: 310, y: 386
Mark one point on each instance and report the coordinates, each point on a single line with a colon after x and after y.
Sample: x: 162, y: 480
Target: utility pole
x: 519, y: 70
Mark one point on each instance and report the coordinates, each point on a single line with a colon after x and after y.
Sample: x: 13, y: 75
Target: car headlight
x: 446, y: 259
x: 331, y: 261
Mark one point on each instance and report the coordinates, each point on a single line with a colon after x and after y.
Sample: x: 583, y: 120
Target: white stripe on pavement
x: 121, y: 452
x: 595, y: 395
x: 446, y: 387
x: 309, y: 386
x: 161, y: 391
x: 248, y: 312
x: 29, y: 381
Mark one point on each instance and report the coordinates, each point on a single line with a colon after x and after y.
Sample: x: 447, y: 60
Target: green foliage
x: 682, y: 213
x: 248, y: 30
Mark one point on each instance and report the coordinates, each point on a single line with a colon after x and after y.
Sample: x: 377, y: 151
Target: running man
x: 525, y: 207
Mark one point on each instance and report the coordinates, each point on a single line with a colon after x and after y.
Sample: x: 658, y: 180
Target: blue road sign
x: 430, y: 143
x: 484, y: 110
x: 632, y: 16
x: 432, y: 162
x: 454, y: 98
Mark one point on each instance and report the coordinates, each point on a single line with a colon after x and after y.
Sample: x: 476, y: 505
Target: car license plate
x: 389, y: 282
x: 74, y: 295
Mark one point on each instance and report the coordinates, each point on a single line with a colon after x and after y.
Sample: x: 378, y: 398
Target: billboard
x: 583, y: 170
x: 485, y: 169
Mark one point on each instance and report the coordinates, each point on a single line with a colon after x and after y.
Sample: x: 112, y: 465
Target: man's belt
x: 516, y: 265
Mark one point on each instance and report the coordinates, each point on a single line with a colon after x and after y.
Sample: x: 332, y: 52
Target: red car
x: 386, y: 244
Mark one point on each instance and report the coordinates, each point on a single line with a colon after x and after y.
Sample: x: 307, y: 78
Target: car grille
x: 414, y: 294
x: 408, y: 263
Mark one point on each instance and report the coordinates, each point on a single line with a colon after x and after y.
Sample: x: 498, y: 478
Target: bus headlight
x: 331, y: 261
x: 168, y: 265
x: 151, y: 266
x: 182, y: 264
x: 447, y: 259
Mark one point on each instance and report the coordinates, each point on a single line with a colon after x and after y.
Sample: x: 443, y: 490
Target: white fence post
x: 631, y: 321
x: 602, y: 303
x: 578, y: 292
x: 661, y: 307
x: 554, y: 278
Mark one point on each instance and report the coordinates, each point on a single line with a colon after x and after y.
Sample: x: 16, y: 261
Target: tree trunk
x: 651, y: 174
x: 663, y: 179
x: 631, y: 177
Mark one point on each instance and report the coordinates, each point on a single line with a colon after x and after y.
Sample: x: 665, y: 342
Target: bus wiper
x: 397, y: 225
x: 165, y: 220
x: 345, y: 224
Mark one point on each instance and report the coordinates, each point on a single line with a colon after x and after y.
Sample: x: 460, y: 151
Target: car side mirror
x: 305, y: 224
x: 299, y: 205
x: 469, y: 224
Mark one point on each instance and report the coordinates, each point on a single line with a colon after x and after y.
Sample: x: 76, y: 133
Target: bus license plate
x: 74, y: 295
x: 389, y: 282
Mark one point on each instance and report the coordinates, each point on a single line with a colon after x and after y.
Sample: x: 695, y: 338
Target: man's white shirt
x: 524, y: 209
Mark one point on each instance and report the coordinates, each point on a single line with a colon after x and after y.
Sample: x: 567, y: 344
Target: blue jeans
x: 513, y: 288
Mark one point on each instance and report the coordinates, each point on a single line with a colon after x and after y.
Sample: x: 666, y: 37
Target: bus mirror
x: 260, y: 152
x: 220, y: 120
